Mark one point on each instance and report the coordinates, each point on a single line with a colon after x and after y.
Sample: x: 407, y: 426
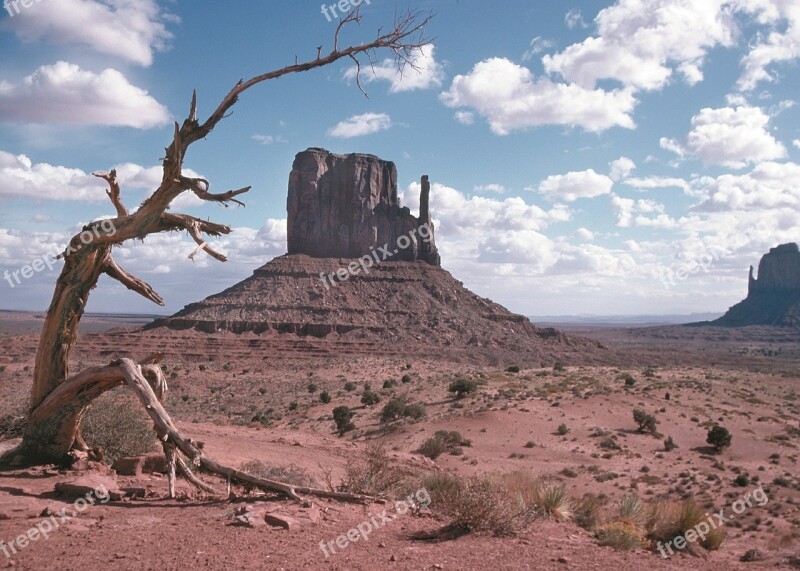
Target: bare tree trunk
x: 59, y: 400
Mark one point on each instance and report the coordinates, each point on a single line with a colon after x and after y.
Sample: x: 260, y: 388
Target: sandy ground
x: 512, y: 424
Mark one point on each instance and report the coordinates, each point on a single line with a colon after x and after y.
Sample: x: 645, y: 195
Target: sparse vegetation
x: 645, y: 422
x: 669, y: 444
x: 350, y: 387
x: 463, y: 387
x: 562, y: 429
x: 291, y: 474
x: 441, y: 442
x: 117, y: 425
x: 370, y: 398
x: 719, y: 437
x: 343, y: 417
x: 325, y: 397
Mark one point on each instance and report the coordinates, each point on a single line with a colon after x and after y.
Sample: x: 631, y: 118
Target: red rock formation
x: 346, y: 206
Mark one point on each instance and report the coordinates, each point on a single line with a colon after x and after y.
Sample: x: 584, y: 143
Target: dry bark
x: 58, y: 400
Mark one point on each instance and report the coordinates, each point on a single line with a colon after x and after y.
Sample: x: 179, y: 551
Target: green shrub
x: 293, y: 405
x: 646, y: 422
x: 719, y: 437
x: 343, y: 416
x: 463, y: 387
x: 562, y: 429
x: 117, y: 424
x: 415, y: 411
x: 325, y: 397
x: 349, y: 387
x: 393, y: 410
x: 406, y: 379
x: 559, y: 366
x: 629, y: 379
x: 512, y: 369
x: 369, y: 398
x: 669, y: 444
x: 441, y: 442
x: 388, y: 384
x: 312, y: 388
x: 741, y: 481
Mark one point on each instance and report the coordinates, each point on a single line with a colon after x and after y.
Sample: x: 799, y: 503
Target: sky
x: 586, y: 157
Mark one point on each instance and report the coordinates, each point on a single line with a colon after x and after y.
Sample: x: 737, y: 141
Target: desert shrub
x: 312, y: 388
x: 369, y: 398
x: 265, y: 417
x: 671, y: 520
x: 559, y: 366
x: 415, y: 411
x: 555, y: 501
x: 463, y: 387
x: 343, y: 417
x: 563, y: 429
x: 621, y: 535
x: 367, y: 387
x: 406, y: 379
x: 629, y: 379
x: 393, y: 410
x: 293, y: 405
x: 646, y: 422
x: 501, y: 504
x: 374, y: 473
x: 13, y: 421
x: 741, y: 481
x: 441, y: 442
x: 669, y: 444
x: 118, y: 425
x: 609, y: 443
x: 587, y: 512
x: 719, y: 437
x: 513, y: 369
x: 290, y: 474
x: 389, y: 383
x: 325, y: 397
x: 349, y: 387
x: 632, y: 510
x: 443, y: 487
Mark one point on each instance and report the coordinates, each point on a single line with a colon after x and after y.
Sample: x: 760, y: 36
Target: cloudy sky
x: 587, y: 157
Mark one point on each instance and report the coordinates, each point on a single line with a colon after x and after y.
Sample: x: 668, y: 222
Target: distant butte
x: 774, y: 297
x: 340, y: 208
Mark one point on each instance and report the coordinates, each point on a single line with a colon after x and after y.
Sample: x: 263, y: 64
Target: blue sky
x: 587, y: 157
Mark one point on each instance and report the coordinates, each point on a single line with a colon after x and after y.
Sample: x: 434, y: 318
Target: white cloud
x: 465, y: 117
x: 360, y: 125
x: 573, y: 18
x: 651, y: 182
x: 796, y: 143
x: 672, y: 146
x: 733, y: 137
x: 425, y: 72
x: 621, y: 168
x: 493, y: 187
x: 511, y: 99
x: 538, y: 45
x: 575, y: 185
x: 584, y: 234
x: 642, y: 212
x: 64, y: 93
x: 780, y: 43
x: 19, y: 176
x: 641, y: 42
x: 268, y: 139
x: 129, y: 29
x: 769, y: 186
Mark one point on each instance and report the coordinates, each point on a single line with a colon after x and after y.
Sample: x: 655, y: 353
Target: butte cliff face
x: 774, y: 297
x: 346, y: 206
x: 340, y: 208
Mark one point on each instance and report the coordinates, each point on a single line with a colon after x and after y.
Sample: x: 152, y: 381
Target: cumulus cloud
x: 65, y: 93
x: 733, y: 137
x: 130, y: 30
x: 768, y: 186
x: 640, y: 43
x: 781, y: 43
x: 642, y: 212
x: 511, y: 98
x: 621, y: 168
x: 360, y: 125
x: 424, y: 72
x: 651, y: 182
x: 465, y: 117
x: 672, y: 146
x: 493, y: 187
x: 575, y: 185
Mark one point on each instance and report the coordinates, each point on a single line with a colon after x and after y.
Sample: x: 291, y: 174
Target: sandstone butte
x: 342, y: 207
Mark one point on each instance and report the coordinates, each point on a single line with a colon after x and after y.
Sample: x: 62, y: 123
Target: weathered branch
x: 169, y: 434
x: 195, y: 227
x: 113, y: 191
x: 200, y: 187
x: 131, y: 282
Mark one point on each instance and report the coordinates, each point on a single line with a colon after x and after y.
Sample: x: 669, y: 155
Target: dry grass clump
x: 668, y: 520
x: 587, y: 512
x: 555, y: 501
x: 373, y: 473
x: 291, y: 474
x: 621, y: 534
x: 117, y: 424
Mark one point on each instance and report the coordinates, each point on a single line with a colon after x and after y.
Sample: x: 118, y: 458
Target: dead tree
x: 58, y: 399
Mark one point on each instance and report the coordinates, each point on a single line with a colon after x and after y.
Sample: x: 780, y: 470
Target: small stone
x: 392, y: 557
x: 563, y: 560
